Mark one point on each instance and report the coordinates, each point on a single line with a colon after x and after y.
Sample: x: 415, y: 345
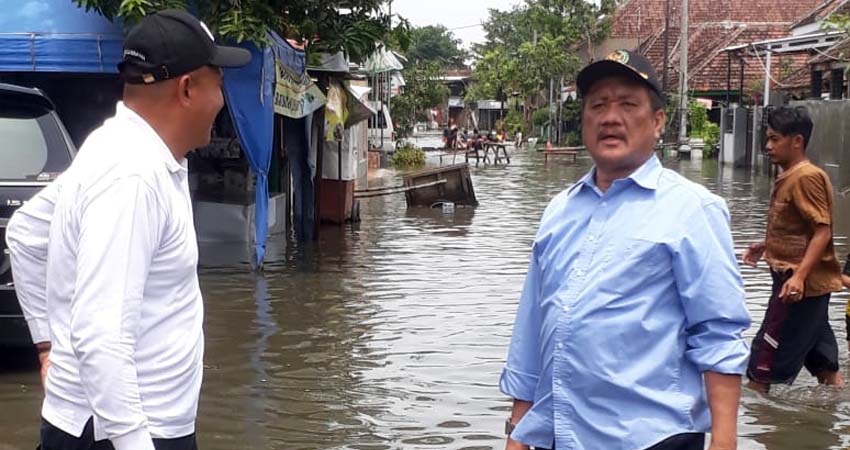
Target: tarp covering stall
x: 275, y: 82
x: 249, y: 99
x: 57, y: 36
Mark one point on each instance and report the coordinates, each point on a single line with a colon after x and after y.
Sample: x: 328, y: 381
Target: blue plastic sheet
x: 249, y: 98
x: 57, y: 36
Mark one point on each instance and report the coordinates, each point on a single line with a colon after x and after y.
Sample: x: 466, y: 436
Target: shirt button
x: 604, y: 204
x: 560, y: 345
x: 566, y: 308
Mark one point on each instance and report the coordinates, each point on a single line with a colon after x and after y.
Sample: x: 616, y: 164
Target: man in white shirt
x: 123, y: 306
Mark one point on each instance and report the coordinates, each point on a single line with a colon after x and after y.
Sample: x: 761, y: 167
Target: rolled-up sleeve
x: 26, y: 237
x: 712, y: 292
x: 522, y: 370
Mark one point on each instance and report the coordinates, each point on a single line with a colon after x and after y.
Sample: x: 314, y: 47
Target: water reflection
x: 390, y: 334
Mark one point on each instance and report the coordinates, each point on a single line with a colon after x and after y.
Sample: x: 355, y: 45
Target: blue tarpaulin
x: 57, y: 36
x: 250, y: 91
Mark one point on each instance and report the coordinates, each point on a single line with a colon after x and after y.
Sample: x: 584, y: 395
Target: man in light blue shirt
x: 628, y: 333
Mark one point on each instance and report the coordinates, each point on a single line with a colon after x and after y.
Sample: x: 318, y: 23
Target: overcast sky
x: 463, y: 17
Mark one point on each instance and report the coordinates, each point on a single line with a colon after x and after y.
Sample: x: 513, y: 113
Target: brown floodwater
x: 391, y: 333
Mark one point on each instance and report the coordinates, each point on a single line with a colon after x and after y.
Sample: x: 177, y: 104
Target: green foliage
x: 571, y: 112
x: 573, y: 139
x: 435, y: 43
x: 837, y: 22
x: 352, y: 26
x: 540, y: 118
x: 514, y: 122
x: 408, y: 157
x: 711, y: 135
x: 423, y: 92
x: 578, y: 21
x: 697, y: 118
x: 535, y: 42
x: 701, y: 127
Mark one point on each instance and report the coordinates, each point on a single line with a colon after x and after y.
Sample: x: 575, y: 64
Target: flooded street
x: 391, y: 334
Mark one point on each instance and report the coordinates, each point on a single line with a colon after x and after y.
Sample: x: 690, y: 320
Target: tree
x: 353, y: 26
x: 424, y: 91
x: 535, y: 45
x: 435, y: 43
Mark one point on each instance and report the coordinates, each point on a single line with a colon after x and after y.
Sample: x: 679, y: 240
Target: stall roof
x: 57, y: 36
x: 383, y: 60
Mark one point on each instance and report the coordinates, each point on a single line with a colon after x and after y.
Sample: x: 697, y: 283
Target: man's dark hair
x: 792, y: 121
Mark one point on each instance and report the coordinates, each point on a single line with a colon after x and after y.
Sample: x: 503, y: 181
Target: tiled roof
x: 824, y: 10
x: 714, y: 25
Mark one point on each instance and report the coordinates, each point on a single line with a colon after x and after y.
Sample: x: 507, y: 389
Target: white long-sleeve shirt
x: 123, y: 302
x: 26, y: 237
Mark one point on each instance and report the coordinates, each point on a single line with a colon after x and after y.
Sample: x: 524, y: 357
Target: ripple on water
x: 391, y: 333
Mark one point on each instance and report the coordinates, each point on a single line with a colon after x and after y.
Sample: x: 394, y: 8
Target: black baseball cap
x: 171, y: 43
x: 619, y: 62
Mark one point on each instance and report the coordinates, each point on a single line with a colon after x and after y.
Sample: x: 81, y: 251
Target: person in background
x: 453, y: 137
x: 799, y: 249
x: 463, y: 139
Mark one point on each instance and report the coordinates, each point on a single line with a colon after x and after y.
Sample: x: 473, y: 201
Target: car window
x: 34, y: 147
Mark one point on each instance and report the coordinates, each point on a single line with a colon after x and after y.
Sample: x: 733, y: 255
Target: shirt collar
x: 122, y: 112
x: 785, y: 174
x: 646, y: 176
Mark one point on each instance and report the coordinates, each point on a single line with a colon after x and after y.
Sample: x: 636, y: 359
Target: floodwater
x: 391, y: 334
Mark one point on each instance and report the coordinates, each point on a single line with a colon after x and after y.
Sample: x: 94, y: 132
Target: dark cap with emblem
x: 171, y: 43
x: 619, y: 63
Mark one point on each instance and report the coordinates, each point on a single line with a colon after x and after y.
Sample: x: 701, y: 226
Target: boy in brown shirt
x: 799, y: 250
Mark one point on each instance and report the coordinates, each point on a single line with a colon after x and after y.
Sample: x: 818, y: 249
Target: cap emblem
x: 620, y: 56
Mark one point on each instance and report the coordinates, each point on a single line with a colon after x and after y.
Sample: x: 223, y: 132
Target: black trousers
x: 53, y: 438
x: 684, y: 441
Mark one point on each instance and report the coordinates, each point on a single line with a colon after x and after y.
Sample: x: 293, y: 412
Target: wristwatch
x: 509, y: 426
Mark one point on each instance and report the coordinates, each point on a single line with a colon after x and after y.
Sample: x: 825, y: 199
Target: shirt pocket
x: 638, y: 263
x: 646, y: 257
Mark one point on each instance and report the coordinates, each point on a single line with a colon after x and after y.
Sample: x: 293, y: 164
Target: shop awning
x: 382, y: 60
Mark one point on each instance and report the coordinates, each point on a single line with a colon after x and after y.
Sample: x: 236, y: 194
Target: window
x: 33, y: 144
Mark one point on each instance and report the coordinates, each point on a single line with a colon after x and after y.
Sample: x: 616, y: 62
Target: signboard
x: 295, y: 96
x: 336, y: 112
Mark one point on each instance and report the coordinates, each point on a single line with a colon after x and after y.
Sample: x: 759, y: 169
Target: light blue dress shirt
x: 631, y: 294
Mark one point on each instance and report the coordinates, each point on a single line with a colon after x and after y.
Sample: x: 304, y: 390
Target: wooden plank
x: 435, y: 170
x: 575, y: 149
x: 366, y: 193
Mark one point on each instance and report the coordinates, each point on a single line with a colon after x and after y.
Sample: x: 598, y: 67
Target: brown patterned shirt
x: 801, y: 200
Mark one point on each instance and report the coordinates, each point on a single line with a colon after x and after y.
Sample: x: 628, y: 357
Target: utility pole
x: 683, y: 82
x: 665, y: 76
x: 551, y: 89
